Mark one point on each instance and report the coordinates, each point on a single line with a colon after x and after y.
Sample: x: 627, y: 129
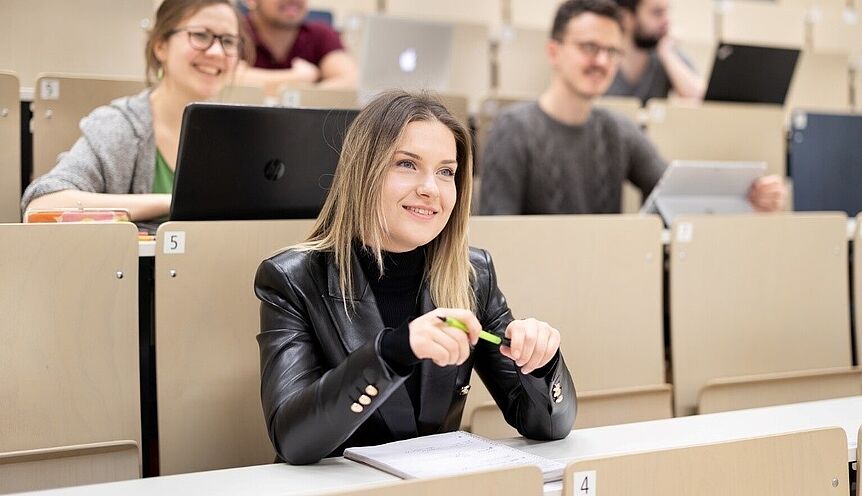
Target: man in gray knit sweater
x: 561, y: 155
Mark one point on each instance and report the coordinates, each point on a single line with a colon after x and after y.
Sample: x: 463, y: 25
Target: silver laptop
x: 702, y: 187
x: 404, y: 53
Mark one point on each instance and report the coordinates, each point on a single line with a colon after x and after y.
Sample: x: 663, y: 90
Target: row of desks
x: 341, y: 474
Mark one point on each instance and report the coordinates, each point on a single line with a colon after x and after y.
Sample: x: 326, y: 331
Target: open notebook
x: 451, y: 453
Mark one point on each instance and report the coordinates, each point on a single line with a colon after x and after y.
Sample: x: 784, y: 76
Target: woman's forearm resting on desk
x: 140, y: 207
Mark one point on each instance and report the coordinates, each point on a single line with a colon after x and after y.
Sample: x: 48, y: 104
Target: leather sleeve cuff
x: 544, y: 370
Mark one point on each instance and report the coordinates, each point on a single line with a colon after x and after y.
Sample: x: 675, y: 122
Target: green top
x: 163, y: 179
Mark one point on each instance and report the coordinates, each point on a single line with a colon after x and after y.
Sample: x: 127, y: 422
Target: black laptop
x: 247, y: 162
x: 752, y: 74
x: 826, y: 162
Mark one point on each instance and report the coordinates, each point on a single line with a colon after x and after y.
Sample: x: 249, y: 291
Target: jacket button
x: 356, y: 408
x: 371, y: 390
x: 364, y: 400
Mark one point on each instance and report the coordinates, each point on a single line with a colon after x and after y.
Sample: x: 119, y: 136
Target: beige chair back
x: 207, y: 317
x: 718, y: 131
x: 833, y: 29
x: 60, y: 102
x: 245, y: 95
x: 857, y: 88
x: 756, y: 294
x: 516, y: 481
x: 69, y: 301
x: 470, y: 66
x: 532, y: 14
x: 458, y: 106
x: 66, y: 466
x: 10, y: 148
x: 320, y: 98
x: 737, y: 393
x: 693, y: 20
x: 808, y: 462
x: 753, y: 22
x: 486, y: 12
x: 821, y: 82
x: 522, y: 67
x: 93, y: 37
x: 580, y: 272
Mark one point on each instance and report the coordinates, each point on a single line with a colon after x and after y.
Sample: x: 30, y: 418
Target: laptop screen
x: 753, y: 74
x: 826, y: 162
x: 247, y: 162
x: 404, y: 53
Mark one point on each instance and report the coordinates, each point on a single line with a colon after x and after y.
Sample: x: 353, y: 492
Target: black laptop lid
x: 826, y: 162
x: 245, y: 162
x: 752, y: 74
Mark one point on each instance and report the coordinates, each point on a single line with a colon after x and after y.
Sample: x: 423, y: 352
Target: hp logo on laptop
x: 274, y: 170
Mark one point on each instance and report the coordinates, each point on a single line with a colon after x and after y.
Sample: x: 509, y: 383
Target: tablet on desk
x: 703, y: 187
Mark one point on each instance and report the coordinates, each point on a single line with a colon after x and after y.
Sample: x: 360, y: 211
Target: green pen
x: 487, y: 336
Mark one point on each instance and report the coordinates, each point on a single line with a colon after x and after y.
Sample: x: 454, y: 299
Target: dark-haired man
x: 561, y: 155
x: 290, y: 50
x: 652, y: 64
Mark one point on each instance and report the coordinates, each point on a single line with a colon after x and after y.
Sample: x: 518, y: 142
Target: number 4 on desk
x: 585, y: 483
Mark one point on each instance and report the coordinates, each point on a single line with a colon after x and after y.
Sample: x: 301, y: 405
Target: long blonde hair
x: 353, y: 211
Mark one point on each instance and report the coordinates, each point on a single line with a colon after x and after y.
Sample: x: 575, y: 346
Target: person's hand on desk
x: 534, y: 344
x: 304, y: 71
x: 444, y: 345
x: 768, y: 194
x: 301, y: 72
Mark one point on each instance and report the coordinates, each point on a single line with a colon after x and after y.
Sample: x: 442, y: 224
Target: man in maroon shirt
x: 293, y: 51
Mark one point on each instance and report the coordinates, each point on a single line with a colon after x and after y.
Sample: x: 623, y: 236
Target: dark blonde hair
x: 353, y: 209
x: 168, y: 17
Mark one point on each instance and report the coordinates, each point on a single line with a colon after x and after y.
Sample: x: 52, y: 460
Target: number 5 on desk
x: 585, y: 483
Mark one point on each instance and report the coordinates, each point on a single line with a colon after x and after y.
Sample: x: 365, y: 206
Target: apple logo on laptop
x: 407, y: 60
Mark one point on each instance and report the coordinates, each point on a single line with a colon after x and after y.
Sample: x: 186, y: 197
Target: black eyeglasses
x: 203, y: 39
x: 593, y: 50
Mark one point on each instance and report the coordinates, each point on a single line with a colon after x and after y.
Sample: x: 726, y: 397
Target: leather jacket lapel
x: 364, y: 324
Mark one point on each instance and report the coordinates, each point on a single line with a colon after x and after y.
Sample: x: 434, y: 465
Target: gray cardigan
x: 115, y: 154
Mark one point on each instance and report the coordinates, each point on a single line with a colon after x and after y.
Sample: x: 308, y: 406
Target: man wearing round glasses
x: 652, y: 65
x: 562, y: 155
x: 290, y: 50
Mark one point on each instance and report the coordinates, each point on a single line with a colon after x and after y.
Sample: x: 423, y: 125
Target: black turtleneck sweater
x: 397, y: 294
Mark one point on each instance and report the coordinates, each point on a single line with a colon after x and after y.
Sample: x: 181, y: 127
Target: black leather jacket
x: 316, y: 363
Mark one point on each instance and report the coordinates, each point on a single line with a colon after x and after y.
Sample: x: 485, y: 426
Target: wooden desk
x: 338, y: 473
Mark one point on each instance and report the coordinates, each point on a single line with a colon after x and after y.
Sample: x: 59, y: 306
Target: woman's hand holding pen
x: 534, y: 343
x: 444, y: 345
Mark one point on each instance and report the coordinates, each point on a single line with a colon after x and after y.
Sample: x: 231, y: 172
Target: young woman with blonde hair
x: 353, y: 347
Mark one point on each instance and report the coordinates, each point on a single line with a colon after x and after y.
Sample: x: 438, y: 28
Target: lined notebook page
x: 448, y: 454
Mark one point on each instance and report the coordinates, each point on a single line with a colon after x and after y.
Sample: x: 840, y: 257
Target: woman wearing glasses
x: 130, y: 146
